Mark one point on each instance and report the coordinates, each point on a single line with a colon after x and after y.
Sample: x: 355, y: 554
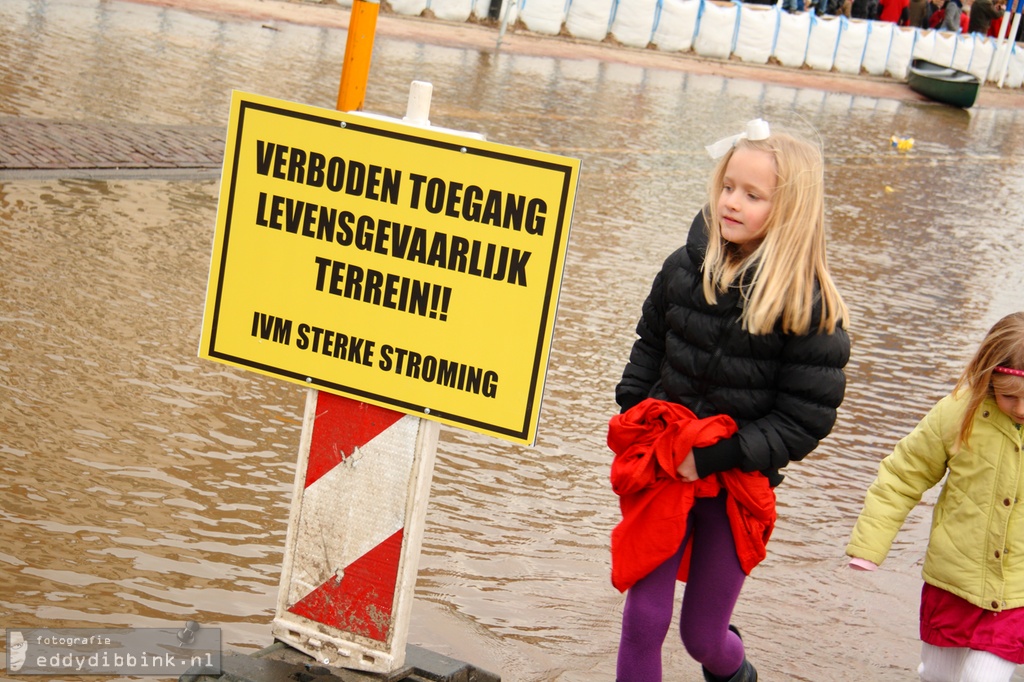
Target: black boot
x: 746, y: 673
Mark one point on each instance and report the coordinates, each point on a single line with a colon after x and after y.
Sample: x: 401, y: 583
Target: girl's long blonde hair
x: 1003, y: 346
x: 789, y: 267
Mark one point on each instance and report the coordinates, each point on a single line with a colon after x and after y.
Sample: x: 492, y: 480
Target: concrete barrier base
x: 280, y: 662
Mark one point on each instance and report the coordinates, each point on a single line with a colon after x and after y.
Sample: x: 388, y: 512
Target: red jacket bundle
x: 650, y: 441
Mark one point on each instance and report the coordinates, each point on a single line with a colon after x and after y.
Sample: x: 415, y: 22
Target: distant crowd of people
x: 959, y: 16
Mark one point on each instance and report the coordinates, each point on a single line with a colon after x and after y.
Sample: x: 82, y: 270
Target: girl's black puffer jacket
x: 783, y: 390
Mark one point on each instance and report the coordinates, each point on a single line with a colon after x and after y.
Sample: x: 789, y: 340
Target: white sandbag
x: 589, y: 19
x: 543, y: 16
x: 822, y: 41
x: 756, y: 34
x: 981, y: 57
x: 677, y: 25
x: 513, y: 12
x: 924, y: 45
x: 791, y: 40
x: 716, y: 29
x: 633, y: 24
x: 853, y: 39
x: 999, y: 59
x: 963, y: 51
x: 901, y: 49
x: 409, y: 8
x: 945, y: 46
x: 451, y: 10
x: 876, y: 50
x: 1015, y: 72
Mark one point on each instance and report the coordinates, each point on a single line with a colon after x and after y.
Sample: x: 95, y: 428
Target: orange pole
x: 358, y: 49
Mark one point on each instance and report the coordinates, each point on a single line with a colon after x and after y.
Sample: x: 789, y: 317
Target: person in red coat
x: 895, y: 11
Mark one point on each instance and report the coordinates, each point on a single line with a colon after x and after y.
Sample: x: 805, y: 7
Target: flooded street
x: 143, y: 487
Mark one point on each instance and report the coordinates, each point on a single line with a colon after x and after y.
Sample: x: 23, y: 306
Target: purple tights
x: 709, y: 598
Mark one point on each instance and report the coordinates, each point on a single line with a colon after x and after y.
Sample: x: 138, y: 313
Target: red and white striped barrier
x: 361, y: 486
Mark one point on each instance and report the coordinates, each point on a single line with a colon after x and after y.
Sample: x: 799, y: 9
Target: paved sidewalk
x: 32, y: 147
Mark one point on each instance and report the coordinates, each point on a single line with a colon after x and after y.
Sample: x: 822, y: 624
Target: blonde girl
x: 972, y: 602
x: 743, y: 322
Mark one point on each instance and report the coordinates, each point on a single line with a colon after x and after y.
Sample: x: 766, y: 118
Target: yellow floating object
x: 889, y: 189
x: 902, y: 144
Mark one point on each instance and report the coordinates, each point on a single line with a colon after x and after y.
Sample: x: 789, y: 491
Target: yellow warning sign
x: 413, y: 268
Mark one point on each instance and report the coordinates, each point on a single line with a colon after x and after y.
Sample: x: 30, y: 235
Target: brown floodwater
x: 141, y: 486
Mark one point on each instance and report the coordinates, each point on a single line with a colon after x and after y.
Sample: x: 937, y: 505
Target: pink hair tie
x: 1010, y: 370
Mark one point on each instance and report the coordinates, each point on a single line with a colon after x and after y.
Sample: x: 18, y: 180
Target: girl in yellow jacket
x: 972, y: 604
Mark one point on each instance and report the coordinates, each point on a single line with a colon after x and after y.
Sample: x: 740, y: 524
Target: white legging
x: 959, y: 664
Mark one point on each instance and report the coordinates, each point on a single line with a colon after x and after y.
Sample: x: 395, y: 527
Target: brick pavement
x: 30, y: 146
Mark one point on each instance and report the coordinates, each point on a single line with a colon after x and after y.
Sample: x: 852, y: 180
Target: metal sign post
x: 362, y: 26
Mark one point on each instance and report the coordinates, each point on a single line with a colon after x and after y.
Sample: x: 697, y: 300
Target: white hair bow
x: 755, y: 130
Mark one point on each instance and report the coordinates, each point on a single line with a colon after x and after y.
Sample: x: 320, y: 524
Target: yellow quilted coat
x: 976, y: 546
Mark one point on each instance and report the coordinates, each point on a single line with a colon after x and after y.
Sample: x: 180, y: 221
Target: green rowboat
x: 943, y: 83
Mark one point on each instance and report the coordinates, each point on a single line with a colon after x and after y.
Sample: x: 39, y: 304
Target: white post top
x: 418, y: 110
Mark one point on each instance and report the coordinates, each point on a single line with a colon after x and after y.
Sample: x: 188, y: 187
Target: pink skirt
x: 949, y: 621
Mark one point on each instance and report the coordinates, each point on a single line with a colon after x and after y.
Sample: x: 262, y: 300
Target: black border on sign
x: 402, y: 405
